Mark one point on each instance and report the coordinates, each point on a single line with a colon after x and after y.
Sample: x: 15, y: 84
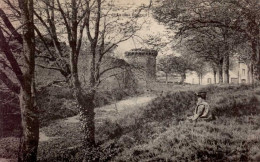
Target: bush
x: 234, y: 104
x: 232, y: 100
x: 211, y: 89
x: 103, y: 152
x: 108, y: 130
x: 55, y: 103
x: 172, y: 105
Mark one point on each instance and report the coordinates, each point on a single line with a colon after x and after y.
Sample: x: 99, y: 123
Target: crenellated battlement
x: 140, y: 51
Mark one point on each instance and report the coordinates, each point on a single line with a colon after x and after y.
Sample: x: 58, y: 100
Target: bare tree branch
x: 10, y: 57
x: 9, y: 83
x: 10, y: 26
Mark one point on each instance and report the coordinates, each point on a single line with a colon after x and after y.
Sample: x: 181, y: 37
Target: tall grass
x: 164, y: 136
x: 58, y: 102
x: 159, y: 132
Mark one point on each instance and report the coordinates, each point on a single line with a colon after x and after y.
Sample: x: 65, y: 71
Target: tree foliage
x: 179, y: 65
x: 226, y: 24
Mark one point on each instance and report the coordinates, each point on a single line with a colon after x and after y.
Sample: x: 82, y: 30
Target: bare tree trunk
x: 30, y: 125
x: 257, y: 71
x: 87, y: 115
x: 252, y: 74
x: 29, y: 112
x: 226, y: 68
x: 215, y: 76
x: 85, y: 101
x: 255, y: 59
x: 249, y: 73
x: 257, y: 68
x: 166, y: 77
x: 183, y: 77
x: 220, y: 70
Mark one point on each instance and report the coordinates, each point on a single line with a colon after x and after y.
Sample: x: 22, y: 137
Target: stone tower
x: 144, y: 63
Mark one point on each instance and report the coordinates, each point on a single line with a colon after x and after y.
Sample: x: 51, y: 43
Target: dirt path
x: 111, y: 112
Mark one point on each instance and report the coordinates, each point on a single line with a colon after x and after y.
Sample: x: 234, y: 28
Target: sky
x: 151, y: 27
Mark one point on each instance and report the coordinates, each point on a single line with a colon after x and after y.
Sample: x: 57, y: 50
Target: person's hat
x: 202, y: 95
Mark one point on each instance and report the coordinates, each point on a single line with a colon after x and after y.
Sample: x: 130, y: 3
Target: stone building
x: 239, y: 74
x: 143, y: 63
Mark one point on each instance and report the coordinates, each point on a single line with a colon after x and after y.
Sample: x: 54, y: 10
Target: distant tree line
x: 214, y: 31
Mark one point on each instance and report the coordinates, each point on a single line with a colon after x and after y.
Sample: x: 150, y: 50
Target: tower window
x: 243, y: 72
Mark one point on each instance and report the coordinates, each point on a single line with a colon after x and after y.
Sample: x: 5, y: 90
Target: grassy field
x: 159, y: 132
x: 164, y: 135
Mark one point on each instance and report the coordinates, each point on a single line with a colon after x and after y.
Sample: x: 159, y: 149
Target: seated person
x: 202, y: 110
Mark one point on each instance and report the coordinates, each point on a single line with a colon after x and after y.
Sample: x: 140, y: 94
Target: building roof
x: 141, y: 51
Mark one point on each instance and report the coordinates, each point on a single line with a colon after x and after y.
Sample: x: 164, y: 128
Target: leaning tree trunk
x: 29, y: 112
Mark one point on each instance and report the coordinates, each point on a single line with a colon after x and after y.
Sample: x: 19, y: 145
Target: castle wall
x: 143, y: 64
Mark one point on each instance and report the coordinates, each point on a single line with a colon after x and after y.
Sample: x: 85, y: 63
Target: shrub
x: 234, y: 104
x: 108, y: 130
x: 103, y: 152
x: 172, y: 105
x: 232, y: 100
x: 211, y: 89
x: 55, y: 103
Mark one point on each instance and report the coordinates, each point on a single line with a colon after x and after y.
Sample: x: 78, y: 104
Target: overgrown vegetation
x: 58, y: 102
x: 158, y: 132
x: 226, y: 139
